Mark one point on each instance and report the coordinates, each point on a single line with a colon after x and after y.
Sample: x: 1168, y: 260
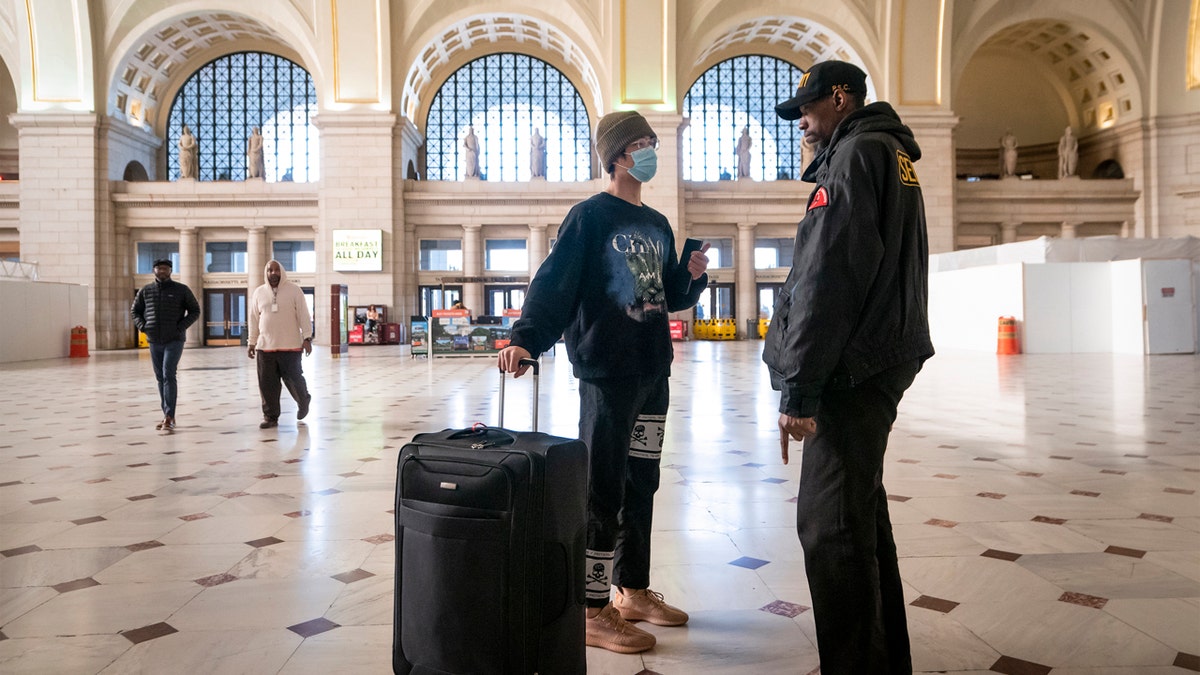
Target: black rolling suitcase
x: 490, y: 534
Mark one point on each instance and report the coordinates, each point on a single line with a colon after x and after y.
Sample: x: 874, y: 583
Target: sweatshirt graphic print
x: 644, y: 259
x: 608, y: 287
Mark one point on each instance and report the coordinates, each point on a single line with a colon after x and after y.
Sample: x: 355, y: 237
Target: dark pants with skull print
x: 622, y: 421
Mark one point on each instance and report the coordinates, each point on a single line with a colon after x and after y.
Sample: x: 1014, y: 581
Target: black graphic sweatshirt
x: 607, y: 286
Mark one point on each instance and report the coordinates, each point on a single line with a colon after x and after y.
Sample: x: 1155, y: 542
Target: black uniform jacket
x: 855, y: 301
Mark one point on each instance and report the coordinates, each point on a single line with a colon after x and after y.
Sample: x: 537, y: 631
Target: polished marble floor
x: 1045, y: 509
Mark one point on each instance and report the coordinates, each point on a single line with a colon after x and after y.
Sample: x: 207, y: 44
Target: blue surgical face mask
x: 645, y: 164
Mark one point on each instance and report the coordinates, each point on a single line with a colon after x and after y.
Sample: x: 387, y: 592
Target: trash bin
x: 79, y: 342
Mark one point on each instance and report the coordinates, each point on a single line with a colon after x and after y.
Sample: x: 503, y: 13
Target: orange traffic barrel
x: 1006, y: 336
x: 79, y: 342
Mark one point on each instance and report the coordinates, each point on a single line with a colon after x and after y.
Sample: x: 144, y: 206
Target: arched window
x: 227, y: 97
x: 733, y: 95
x: 504, y: 98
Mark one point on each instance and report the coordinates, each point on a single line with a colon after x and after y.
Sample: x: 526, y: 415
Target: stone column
x: 934, y: 131
x: 190, y: 274
x: 357, y: 191
x: 1008, y: 232
x: 747, y: 286
x: 64, y: 221
x: 473, y: 266
x: 537, y: 246
x: 256, y: 257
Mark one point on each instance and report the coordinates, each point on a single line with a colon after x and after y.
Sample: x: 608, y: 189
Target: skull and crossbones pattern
x: 646, y: 441
x: 599, y: 574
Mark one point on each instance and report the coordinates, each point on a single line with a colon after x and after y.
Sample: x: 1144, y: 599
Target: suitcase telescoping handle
x: 532, y: 363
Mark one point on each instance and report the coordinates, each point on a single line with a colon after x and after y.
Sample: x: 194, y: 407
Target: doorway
x: 767, y: 294
x: 225, y: 317
x: 716, y: 302
x: 500, y: 298
x: 438, y: 297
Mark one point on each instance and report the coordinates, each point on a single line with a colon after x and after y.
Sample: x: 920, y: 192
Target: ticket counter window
x: 295, y: 256
x: 225, y: 256
x: 441, y: 255
x: 720, y: 253
x: 149, y: 251
x: 773, y: 253
x: 506, y: 255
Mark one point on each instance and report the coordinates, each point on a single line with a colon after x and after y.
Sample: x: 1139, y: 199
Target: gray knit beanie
x: 616, y: 130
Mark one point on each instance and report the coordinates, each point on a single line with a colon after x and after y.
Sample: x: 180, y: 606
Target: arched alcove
x: 135, y: 173
x: 8, y: 133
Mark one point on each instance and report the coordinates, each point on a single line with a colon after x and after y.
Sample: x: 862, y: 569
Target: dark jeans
x: 621, y: 421
x: 164, y: 356
x: 276, y: 366
x: 842, y: 519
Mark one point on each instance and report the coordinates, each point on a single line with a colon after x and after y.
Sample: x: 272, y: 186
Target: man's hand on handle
x: 794, y: 427
x: 510, y: 360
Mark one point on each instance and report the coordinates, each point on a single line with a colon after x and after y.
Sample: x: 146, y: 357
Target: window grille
x: 504, y: 98
x: 735, y: 94
x: 222, y: 101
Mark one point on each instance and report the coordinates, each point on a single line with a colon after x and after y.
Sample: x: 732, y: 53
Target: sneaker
x: 646, y: 605
x: 168, y: 425
x: 161, y: 423
x: 607, y: 630
x: 302, y: 412
x: 267, y: 424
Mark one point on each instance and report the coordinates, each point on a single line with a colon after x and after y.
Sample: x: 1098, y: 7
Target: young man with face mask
x: 608, y: 286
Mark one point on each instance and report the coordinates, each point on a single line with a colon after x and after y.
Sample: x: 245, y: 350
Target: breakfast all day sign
x: 358, y: 250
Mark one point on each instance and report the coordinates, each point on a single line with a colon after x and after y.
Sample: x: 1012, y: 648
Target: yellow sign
x: 357, y: 250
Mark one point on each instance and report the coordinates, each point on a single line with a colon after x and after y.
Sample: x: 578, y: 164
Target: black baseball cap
x: 820, y: 81
x: 164, y: 261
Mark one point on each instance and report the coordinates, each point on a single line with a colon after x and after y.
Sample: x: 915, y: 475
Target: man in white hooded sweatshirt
x: 280, y: 328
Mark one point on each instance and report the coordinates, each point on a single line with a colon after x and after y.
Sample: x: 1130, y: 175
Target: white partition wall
x: 38, y: 319
x: 1126, y: 290
x: 964, y: 305
x: 1170, y: 309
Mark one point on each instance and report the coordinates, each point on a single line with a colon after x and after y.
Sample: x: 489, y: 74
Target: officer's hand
x: 510, y: 360
x: 250, y: 351
x: 794, y: 427
x: 308, y: 346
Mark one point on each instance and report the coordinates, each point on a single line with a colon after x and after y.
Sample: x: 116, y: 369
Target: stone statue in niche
x: 743, y: 154
x: 1008, y: 155
x: 1068, y: 154
x: 254, y: 154
x: 537, y: 155
x: 189, y: 156
x: 470, y: 154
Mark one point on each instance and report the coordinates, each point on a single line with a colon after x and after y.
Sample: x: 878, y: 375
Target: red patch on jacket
x: 819, y: 198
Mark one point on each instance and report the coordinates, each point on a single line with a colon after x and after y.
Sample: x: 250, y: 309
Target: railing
x: 15, y: 269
